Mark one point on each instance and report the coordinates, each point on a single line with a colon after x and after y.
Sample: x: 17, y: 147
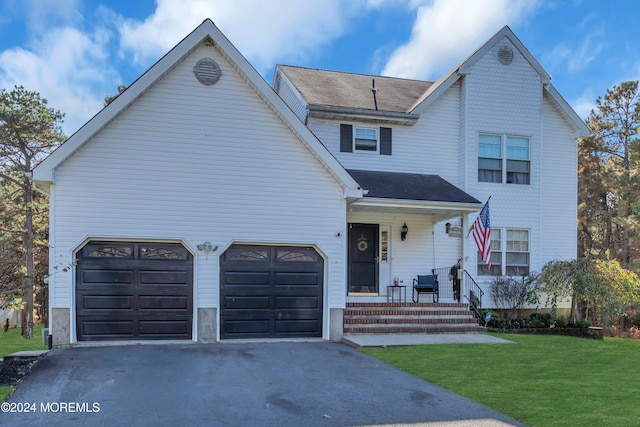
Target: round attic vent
x: 207, y: 71
x: 505, y: 55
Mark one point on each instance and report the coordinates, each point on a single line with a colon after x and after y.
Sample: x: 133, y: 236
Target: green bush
x: 537, y: 320
x: 583, y: 323
x: 561, y: 322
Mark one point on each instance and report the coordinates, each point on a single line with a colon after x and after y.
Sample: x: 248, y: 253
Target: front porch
x: 458, y: 310
x: 409, y: 318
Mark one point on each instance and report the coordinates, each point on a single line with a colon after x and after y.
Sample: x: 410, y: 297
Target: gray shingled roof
x: 409, y: 186
x: 347, y: 90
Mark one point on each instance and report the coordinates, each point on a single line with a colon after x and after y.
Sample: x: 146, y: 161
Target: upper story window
x: 365, y: 139
x: 503, y: 158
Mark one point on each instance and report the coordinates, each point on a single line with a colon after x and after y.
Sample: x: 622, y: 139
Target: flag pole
x: 471, y: 227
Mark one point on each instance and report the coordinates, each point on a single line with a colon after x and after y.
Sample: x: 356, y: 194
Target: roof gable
x: 464, y: 68
x: 207, y: 32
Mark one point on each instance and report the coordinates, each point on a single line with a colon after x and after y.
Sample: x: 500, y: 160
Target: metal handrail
x: 474, y: 295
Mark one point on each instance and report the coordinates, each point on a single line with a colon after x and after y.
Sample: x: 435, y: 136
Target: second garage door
x: 271, y: 292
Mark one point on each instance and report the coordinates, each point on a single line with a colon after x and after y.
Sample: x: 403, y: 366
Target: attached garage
x: 271, y: 292
x: 136, y: 291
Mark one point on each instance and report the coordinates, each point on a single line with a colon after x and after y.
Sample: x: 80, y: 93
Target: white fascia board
x: 581, y: 127
x: 415, y: 205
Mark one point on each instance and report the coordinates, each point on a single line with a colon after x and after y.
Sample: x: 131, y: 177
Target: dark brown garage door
x: 134, y: 291
x: 271, y: 292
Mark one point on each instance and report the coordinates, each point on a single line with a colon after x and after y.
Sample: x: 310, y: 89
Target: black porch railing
x: 446, y: 285
x: 452, y: 287
x: 473, y: 294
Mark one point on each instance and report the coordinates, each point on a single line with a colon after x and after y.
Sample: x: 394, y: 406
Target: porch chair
x: 426, y: 284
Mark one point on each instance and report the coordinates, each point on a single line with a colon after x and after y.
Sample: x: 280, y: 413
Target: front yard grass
x: 12, y: 342
x: 540, y: 381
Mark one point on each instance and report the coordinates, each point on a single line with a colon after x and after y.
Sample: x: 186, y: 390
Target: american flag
x: 482, y: 234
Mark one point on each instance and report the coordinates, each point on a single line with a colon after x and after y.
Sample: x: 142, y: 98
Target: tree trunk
x: 27, y: 332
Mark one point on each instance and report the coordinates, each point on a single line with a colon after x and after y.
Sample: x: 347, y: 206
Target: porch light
x: 404, y: 231
x: 447, y: 227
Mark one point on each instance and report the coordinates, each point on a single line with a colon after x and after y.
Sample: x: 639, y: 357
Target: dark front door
x: 363, y: 258
x: 271, y: 292
x: 127, y: 290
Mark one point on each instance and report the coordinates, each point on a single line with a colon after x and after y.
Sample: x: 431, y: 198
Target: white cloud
x: 447, y: 31
x: 67, y: 67
x: 584, y: 104
x: 265, y: 32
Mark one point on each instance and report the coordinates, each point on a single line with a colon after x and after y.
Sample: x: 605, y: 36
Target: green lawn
x: 541, y: 381
x: 11, y: 342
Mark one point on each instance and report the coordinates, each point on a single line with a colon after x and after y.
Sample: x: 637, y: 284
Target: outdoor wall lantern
x: 207, y: 247
x: 447, y: 227
x: 404, y: 231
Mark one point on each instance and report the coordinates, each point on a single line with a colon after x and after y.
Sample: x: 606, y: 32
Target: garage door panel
x: 297, y: 326
x: 298, y: 279
x: 107, y: 276
x: 299, y: 302
x: 248, y: 327
x: 101, y: 328
x: 134, y: 291
x: 239, y: 278
x: 164, y: 278
x: 165, y: 328
x: 107, y: 302
x: 241, y: 302
x: 164, y: 302
x: 278, y: 294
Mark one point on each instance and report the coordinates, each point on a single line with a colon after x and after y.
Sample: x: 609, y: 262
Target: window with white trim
x: 365, y: 139
x: 503, y: 159
x: 509, y: 248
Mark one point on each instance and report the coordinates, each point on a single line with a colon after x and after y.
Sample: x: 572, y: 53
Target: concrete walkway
x: 389, y: 340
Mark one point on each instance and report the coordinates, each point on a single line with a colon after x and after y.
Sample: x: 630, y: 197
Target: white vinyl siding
x: 194, y: 163
x: 429, y: 146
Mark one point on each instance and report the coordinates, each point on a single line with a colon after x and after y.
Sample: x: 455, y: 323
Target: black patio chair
x: 426, y: 284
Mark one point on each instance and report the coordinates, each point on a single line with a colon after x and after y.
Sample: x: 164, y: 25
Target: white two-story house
x: 203, y: 204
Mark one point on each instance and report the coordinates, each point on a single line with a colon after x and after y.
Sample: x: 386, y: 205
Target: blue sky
x: 75, y: 52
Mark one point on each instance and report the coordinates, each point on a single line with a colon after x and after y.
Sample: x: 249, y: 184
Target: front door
x: 363, y: 258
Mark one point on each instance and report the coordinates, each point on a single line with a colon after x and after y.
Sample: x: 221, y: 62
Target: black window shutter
x: 346, y: 138
x: 385, y: 141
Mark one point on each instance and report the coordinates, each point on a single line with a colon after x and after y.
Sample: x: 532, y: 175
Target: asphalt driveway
x: 229, y: 384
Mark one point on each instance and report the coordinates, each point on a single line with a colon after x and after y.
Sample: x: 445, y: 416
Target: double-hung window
x: 509, y: 248
x: 366, y: 139
x: 503, y: 158
x: 517, y: 256
x: 490, y: 158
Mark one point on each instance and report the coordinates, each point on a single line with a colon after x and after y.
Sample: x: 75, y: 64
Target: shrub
x: 537, y: 320
x: 583, y: 323
x: 560, y: 322
x: 511, y: 293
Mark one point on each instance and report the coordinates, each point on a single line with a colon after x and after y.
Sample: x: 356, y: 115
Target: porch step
x: 408, y: 318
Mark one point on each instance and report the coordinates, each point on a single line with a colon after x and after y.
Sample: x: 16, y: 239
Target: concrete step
x: 353, y: 320
x: 413, y: 329
x: 409, y: 318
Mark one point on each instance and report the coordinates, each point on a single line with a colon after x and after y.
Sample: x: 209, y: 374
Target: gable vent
x: 207, y: 71
x: 505, y: 55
